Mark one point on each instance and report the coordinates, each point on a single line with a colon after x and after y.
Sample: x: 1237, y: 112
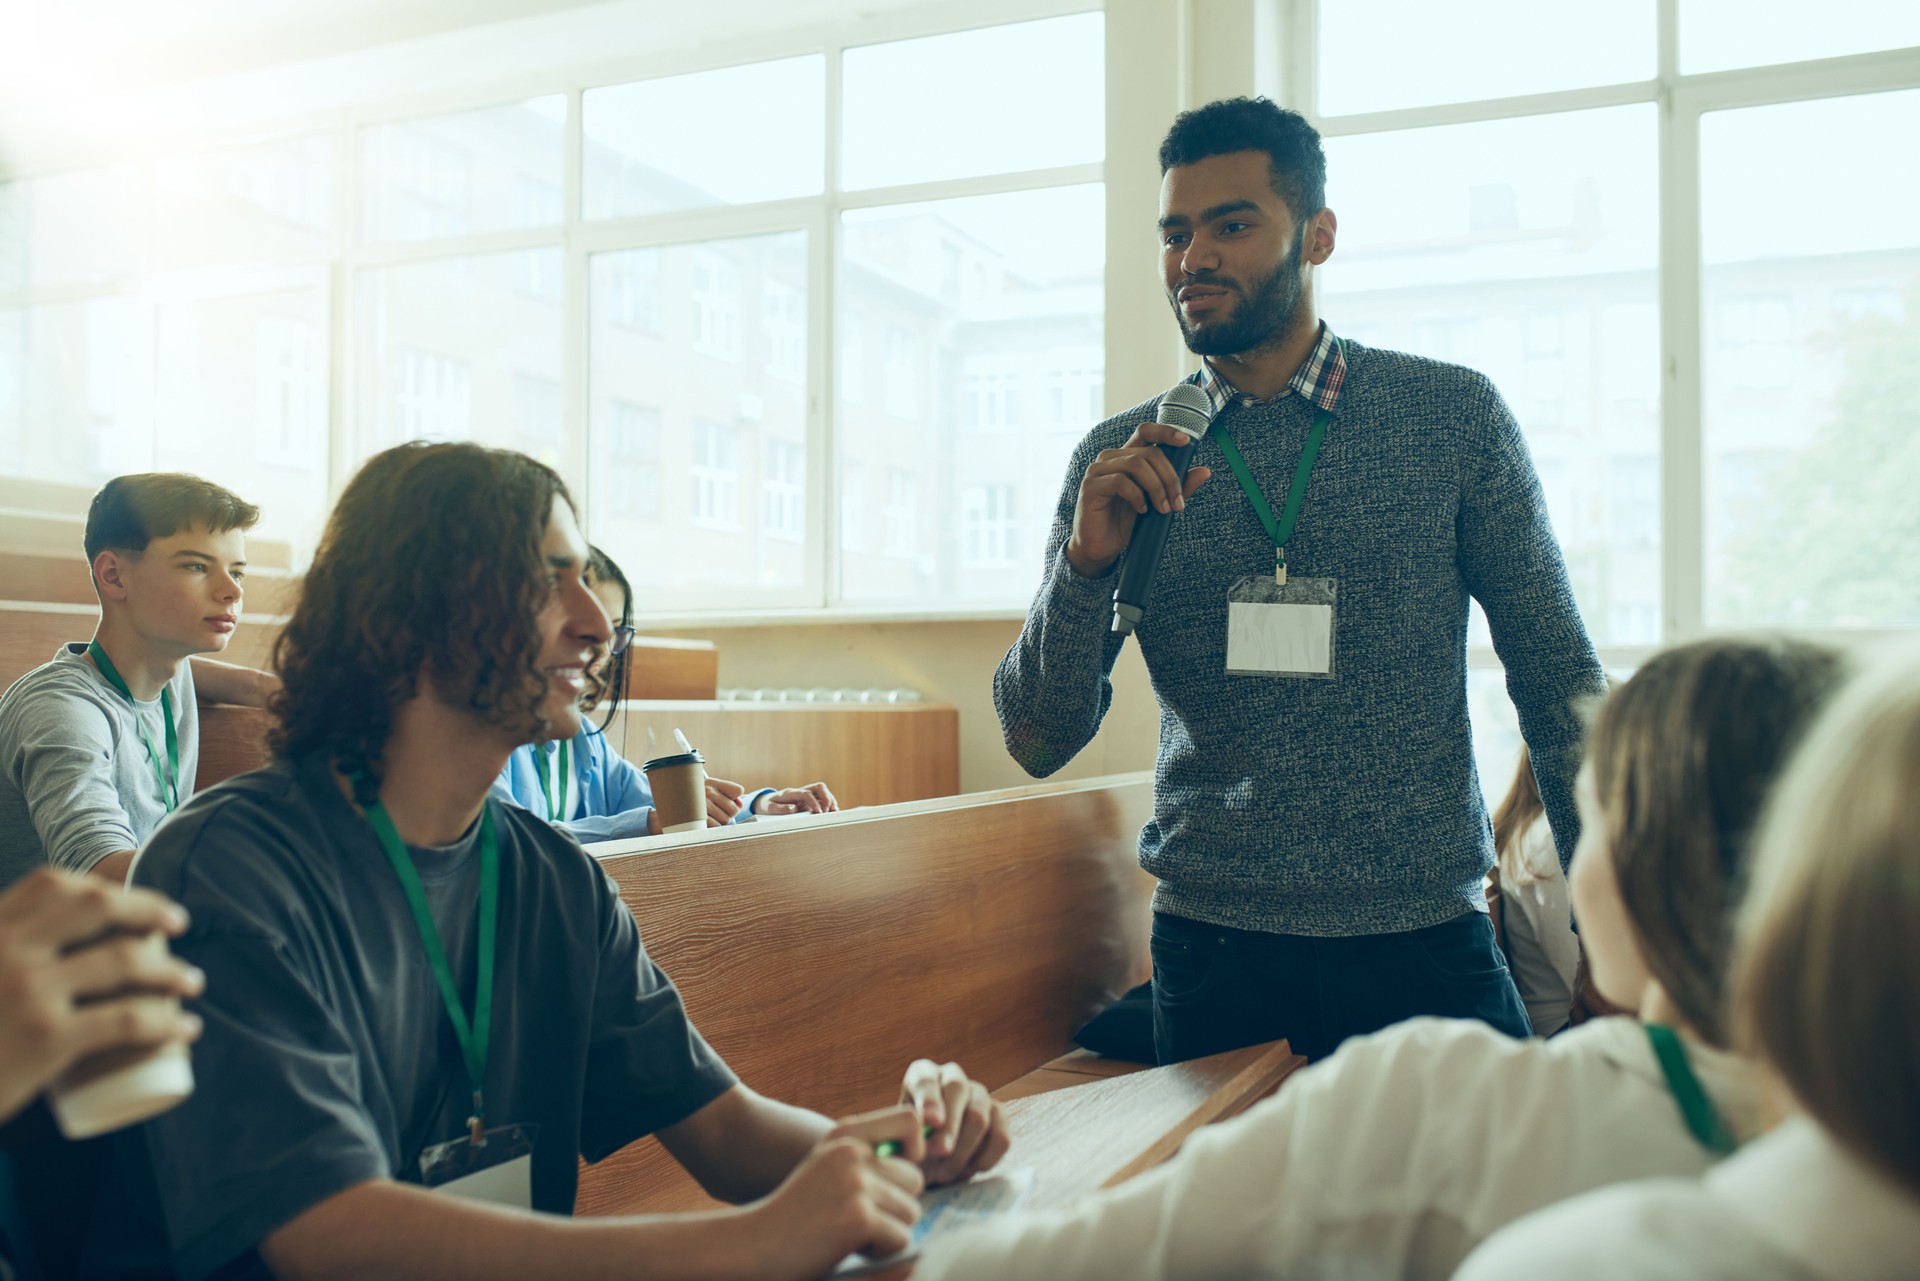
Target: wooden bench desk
x: 820, y: 955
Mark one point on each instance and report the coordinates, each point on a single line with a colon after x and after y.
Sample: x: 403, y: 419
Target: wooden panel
x: 62, y: 534
x: 30, y: 632
x: 233, y: 740
x: 63, y: 580
x: 45, y: 495
x: 869, y: 754
x: 658, y: 667
x: 822, y: 955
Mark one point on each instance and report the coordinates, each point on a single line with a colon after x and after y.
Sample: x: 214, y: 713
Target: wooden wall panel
x: 661, y: 668
x: 63, y: 534
x: 868, y: 753
x: 821, y: 956
x: 30, y: 632
x: 63, y: 580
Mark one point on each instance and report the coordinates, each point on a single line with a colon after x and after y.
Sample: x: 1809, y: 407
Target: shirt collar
x: 1816, y: 1202
x: 1319, y: 378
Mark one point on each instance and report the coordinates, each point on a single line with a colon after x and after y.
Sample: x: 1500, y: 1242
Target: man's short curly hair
x: 433, y: 555
x: 1296, y: 165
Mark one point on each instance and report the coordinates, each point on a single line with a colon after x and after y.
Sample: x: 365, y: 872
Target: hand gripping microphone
x: 1186, y: 409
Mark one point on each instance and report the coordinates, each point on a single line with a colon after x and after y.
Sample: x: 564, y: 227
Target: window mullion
x: 1682, y: 438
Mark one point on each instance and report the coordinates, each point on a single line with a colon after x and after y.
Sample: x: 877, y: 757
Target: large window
x: 1603, y: 210
x: 788, y: 306
x: 733, y: 303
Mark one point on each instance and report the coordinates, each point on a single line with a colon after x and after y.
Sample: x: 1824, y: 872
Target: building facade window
x: 633, y: 472
x: 784, y: 497
x: 716, y: 476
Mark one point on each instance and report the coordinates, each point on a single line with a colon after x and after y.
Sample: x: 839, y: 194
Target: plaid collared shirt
x: 1319, y: 378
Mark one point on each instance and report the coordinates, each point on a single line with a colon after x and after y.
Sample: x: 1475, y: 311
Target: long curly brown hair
x: 432, y: 555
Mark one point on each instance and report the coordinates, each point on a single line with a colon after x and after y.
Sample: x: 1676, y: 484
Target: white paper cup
x: 86, y: 1104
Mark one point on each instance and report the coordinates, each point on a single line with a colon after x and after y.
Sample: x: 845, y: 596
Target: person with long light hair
x: 1826, y: 980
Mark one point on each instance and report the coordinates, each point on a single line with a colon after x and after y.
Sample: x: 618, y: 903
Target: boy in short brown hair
x: 100, y: 744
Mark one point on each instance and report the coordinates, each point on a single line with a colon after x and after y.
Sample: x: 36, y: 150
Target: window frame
x: 1682, y: 99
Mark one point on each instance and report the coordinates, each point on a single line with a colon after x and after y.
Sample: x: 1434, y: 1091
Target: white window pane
x: 468, y: 172
x: 998, y: 100
x: 685, y: 331
x: 761, y: 135
x: 1812, y: 337
x: 451, y: 349
x: 71, y: 228
x: 1020, y: 297
x: 76, y: 390
x: 1526, y: 250
x: 241, y: 391
x: 1378, y: 55
x: 1718, y: 34
x: 265, y: 202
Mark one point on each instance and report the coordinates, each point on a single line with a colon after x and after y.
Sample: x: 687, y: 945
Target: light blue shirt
x: 612, y: 802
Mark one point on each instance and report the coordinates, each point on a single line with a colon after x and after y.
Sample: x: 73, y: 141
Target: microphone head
x: 1185, y: 408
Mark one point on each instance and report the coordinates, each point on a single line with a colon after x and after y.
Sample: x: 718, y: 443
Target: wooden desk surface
x: 1109, y: 1128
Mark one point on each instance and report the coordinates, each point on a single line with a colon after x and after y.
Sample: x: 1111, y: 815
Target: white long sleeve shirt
x: 1538, y: 918
x: 1393, y: 1158
x: 1793, y: 1206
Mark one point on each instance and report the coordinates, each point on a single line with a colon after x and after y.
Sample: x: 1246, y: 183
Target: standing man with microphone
x: 1319, y: 833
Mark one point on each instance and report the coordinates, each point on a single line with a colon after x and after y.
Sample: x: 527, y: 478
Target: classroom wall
x: 948, y: 662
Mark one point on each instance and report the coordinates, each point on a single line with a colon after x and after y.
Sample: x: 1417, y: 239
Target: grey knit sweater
x: 1328, y: 807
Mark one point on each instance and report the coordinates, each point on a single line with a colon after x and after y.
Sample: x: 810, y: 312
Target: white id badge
x: 1281, y: 629
x: 499, y: 1171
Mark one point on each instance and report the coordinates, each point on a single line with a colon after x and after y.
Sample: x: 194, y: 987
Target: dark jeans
x: 1216, y: 988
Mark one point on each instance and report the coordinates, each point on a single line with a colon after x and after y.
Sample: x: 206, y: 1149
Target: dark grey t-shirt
x: 328, y: 1058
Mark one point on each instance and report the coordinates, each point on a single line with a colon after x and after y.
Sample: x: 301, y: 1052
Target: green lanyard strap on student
x: 554, y: 802
x: 1282, y: 529
x: 471, y: 1035
x: 1703, y: 1121
x: 169, y: 774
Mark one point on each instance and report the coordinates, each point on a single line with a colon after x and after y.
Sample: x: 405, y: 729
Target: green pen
x: 891, y: 1147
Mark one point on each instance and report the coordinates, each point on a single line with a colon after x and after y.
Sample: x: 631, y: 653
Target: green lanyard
x: 1697, y: 1109
x: 472, y: 1036
x: 169, y: 775
x: 555, y: 810
x: 1279, y: 530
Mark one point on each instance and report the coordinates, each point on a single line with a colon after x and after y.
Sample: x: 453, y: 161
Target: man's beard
x: 1263, y: 318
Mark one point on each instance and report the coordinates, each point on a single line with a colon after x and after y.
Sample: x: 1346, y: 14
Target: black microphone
x: 1186, y: 409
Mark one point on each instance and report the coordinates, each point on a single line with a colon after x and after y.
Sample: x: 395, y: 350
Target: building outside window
x: 784, y: 497
x: 633, y: 472
x: 716, y: 305
x: 716, y: 477
x: 433, y: 396
x: 902, y: 514
x: 989, y: 526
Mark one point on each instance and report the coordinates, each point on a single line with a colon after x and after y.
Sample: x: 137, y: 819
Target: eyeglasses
x: 622, y: 637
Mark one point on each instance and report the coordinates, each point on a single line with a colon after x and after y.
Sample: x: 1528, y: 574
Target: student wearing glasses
x: 586, y: 788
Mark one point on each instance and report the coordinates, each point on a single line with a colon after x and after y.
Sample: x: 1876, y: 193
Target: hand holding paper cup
x: 90, y: 1001
x: 126, y: 1085
x: 679, y: 786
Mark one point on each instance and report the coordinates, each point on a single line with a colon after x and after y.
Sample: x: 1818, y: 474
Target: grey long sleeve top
x: 1328, y: 807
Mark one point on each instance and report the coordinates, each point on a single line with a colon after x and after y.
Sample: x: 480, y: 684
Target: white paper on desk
x: 945, y: 1210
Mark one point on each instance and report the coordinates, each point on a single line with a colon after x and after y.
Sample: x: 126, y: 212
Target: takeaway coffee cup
x: 679, y: 786
x: 118, y: 1088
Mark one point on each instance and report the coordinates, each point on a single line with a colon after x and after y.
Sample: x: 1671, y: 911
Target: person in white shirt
x: 1825, y: 981
x: 1536, y: 920
x: 1400, y: 1153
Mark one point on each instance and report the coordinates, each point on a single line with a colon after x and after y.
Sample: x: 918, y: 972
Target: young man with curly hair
x: 424, y: 1006
x: 101, y: 743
